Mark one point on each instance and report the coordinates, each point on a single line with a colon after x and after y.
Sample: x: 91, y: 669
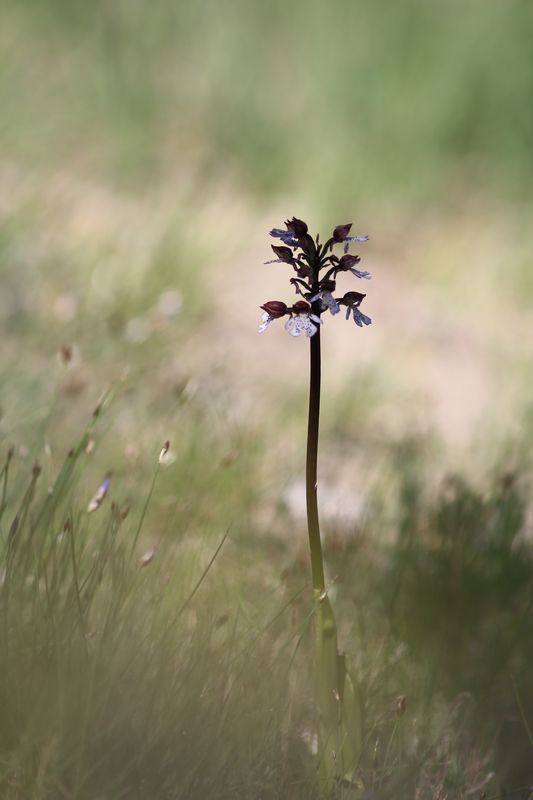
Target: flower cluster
x: 316, y: 268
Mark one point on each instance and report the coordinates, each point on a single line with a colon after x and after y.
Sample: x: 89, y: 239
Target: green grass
x: 407, y: 100
x: 121, y: 679
x: 190, y: 677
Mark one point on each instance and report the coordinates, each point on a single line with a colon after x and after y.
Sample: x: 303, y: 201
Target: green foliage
x: 180, y: 678
x: 127, y: 678
x: 410, y: 98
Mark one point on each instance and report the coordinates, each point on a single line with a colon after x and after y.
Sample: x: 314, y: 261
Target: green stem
x: 338, y: 703
x: 313, y: 526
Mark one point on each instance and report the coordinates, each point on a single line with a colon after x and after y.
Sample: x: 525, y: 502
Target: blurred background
x: 146, y: 152
x: 146, y: 149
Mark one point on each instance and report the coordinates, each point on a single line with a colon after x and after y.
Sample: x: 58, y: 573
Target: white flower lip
x: 303, y: 323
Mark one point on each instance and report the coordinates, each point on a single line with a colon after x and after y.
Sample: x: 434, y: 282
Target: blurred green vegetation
x: 342, y: 101
x: 178, y: 663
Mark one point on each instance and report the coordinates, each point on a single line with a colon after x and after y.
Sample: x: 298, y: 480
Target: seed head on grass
x: 147, y: 557
x: 99, y: 496
x: 65, y: 354
x: 164, y: 451
x: 166, y: 456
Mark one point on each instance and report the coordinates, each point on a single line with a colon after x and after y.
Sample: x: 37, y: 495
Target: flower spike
x: 338, y: 705
x: 317, y: 269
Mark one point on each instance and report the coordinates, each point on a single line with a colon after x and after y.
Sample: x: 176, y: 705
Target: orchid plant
x: 316, y: 270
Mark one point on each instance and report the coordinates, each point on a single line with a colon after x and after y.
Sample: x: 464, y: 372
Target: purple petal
x: 361, y: 274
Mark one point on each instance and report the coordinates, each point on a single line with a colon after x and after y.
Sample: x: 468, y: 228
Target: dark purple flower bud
x: 341, y: 232
x: 353, y: 299
x: 275, y: 308
x: 297, y: 227
x: 283, y: 253
x: 328, y: 285
x: 303, y: 271
x: 272, y: 310
x: 298, y: 286
x: 301, y: 307
x: 348, y: 261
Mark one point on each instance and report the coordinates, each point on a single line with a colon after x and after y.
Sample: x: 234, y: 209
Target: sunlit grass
x: 412, y: 103
x: 158, y: 648
x: 123, y: 674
